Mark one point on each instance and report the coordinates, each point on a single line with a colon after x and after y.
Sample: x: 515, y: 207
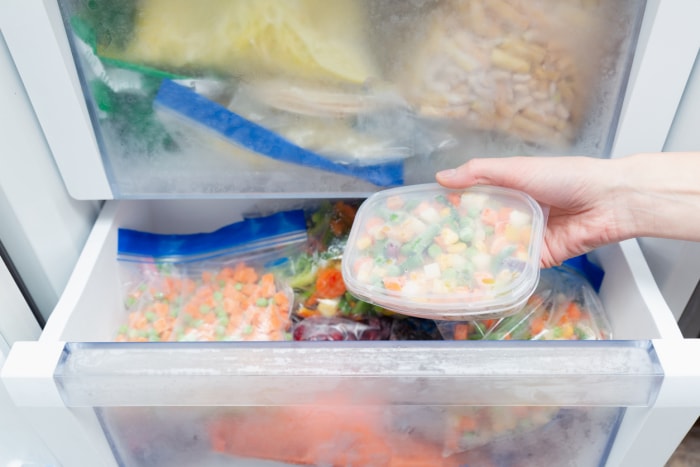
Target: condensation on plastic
x: 436, y: 82
x: 321, y: 401
x: 564, y: 307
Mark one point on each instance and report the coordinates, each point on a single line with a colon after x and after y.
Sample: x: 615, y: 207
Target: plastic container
x: 430, y: 252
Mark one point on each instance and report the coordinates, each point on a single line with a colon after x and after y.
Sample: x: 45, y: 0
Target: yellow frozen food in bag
x: 316, y: 39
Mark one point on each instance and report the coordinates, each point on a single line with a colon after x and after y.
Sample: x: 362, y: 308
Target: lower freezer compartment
x: 339, y: 434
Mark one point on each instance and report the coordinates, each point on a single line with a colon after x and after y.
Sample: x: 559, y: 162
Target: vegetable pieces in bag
x: 317, y: 279
x: 564, y: 307
x: 209, y: 286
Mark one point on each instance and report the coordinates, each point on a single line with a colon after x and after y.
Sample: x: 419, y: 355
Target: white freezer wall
x: 676, y: 264
x: 19, y: 444
x: 41, y: 226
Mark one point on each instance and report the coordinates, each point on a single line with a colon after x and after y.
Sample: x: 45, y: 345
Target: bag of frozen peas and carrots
x: 564, y: 307
x: 209, y: 286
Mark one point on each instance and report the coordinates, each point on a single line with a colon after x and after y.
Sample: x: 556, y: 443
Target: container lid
x: 431, y: 252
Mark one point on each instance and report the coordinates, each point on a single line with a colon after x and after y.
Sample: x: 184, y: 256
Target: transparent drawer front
x: 384, y: 404
x: 192, y: 98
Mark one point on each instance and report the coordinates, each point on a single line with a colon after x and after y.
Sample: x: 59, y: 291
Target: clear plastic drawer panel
x: 378, y: 403
x: 222, y: 98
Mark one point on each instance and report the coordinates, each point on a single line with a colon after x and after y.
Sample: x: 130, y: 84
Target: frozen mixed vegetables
x: 428, y: 251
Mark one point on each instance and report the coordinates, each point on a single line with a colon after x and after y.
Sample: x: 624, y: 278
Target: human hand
x: 589, y: 199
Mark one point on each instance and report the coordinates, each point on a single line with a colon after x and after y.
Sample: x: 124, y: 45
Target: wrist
x: 659, y: 195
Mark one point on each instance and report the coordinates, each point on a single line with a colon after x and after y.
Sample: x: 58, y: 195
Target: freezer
x: 189, y: 119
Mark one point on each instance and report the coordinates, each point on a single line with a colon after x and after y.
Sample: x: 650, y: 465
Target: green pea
x: 434, y: 250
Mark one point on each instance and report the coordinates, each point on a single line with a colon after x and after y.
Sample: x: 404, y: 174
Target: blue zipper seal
x: 254, y: 137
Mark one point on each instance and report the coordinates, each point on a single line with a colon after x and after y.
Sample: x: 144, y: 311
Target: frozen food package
x: 315, y: 273
x: 193, y: 119
x: 209, y: 286
x: 459, y: 429
x: 525, y: 68
x: 564, y: 307
x: 310, y: 39
x: 360, y: 125
x: 431, y: 252
x: 333, y: 432
x: 342, y: 329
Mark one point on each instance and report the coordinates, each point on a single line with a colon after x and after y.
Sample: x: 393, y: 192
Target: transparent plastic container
x: 431, y: 252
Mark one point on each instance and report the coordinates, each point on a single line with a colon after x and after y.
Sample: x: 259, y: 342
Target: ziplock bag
x: 564, y: 307
x: 209, y: 286
x: 356, y: 125
x: 191, y: 117
x: 311, y: 39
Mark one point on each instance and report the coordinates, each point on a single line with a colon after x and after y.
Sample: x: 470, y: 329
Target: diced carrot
x: 329, y: 283
x: 504, y: 213
x: 225, y: 273
x: 161, y: 308
x: 267, y: 285
x: 454, y: 198
x: 573, y: 312
x: 393, y: 283
x: 394, y: 202
x: 489, y: 216
x: 537, y: 325
x: 281, y: 300
x: 461, y: 332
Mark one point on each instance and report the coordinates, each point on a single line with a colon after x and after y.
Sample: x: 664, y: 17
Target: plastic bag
x: 209, y: 286
x: 315, y: 274
x: 510, y: 66
x: 564, y: 307
x: 341, y: 329
x: 312, y: 39
x: 361, y: 125
x: 459, y: 429
x: 193, y: 120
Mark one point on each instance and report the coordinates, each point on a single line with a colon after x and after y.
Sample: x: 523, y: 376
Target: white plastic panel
x: 45, y: 65
x: 658, y: 78
x: 43, y: 228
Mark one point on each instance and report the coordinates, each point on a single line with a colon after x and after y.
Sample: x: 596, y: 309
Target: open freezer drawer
x: 545, y: 403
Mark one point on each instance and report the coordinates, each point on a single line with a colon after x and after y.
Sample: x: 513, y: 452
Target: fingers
x: 510, y: 172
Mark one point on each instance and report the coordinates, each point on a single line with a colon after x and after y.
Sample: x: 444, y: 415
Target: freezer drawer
x: 589, y: 402
x: 256, y: 97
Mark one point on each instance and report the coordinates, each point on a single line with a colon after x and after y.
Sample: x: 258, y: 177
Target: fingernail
x: 450, y: 173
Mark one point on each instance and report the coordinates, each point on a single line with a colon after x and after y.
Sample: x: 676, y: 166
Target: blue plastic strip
x: 136, y: 243
x: 256, y: 138
x: 591, y: 271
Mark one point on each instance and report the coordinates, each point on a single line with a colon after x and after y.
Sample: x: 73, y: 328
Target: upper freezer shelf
x: 311, y: 98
